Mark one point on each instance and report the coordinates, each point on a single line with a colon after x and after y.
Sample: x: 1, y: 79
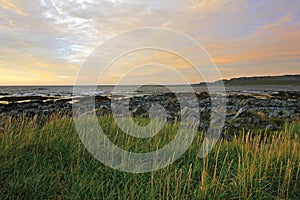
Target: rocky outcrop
x: 244, y: 110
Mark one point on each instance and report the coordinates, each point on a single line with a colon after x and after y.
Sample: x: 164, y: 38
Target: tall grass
x: 50, y: 162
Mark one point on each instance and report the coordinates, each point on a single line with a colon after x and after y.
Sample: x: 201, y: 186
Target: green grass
x: 50, y: 162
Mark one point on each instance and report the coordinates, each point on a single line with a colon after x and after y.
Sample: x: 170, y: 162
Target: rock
x: 236, y: 125
x: 25, y: 98
x: 230, y: 115
x: 29, y: 112
x: 272, y: 127
x: 171, y: 118
x: 242, y: 112
x: 202, y: 95
x: 45, y: 112
x: 287, y: 94
x: 169, y: 95
x: 140, y: 111
x: 203, y: 126
x: 102, y: 98
x: 103, y: 110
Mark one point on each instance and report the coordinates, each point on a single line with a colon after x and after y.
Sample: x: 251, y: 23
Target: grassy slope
x: 50, y: 162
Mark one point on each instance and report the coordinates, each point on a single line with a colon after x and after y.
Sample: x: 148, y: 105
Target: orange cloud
x: 271, y: 42
x: 9, y: 5
x: 152, y: 59
x: 226, y: 69
x: 29, y: 70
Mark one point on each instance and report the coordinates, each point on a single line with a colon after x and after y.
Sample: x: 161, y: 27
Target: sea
x: 68, y: 91
x: 106, y: 90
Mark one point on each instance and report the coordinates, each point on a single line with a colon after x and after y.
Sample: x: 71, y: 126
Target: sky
x: 45, y: 42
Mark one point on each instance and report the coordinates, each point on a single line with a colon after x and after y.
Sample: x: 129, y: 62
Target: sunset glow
x: 45, y: 42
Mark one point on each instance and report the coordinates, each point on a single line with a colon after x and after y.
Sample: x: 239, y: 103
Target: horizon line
x: 201, y: 82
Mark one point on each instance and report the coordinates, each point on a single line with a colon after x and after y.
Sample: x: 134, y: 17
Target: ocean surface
x: 68, y: 91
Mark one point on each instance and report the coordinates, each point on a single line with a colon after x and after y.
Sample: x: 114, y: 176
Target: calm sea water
x: 67, y: 91
x: 85, y: 90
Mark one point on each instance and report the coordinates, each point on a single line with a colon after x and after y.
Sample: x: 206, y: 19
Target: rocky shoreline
x: 244, y: 110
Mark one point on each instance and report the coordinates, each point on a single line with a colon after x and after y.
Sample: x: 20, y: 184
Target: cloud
x: 10, y: 5
x: 278, y: 41
x: 63, y: 77
x: 53, y: 38
x: 226, y: 69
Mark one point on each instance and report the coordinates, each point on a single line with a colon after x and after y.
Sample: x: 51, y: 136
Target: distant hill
x: 260, y: 80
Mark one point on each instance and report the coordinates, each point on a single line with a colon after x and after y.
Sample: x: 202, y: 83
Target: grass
x: 50, y: 162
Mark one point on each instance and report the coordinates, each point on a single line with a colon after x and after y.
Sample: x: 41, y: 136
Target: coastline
x: 245, y: 109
